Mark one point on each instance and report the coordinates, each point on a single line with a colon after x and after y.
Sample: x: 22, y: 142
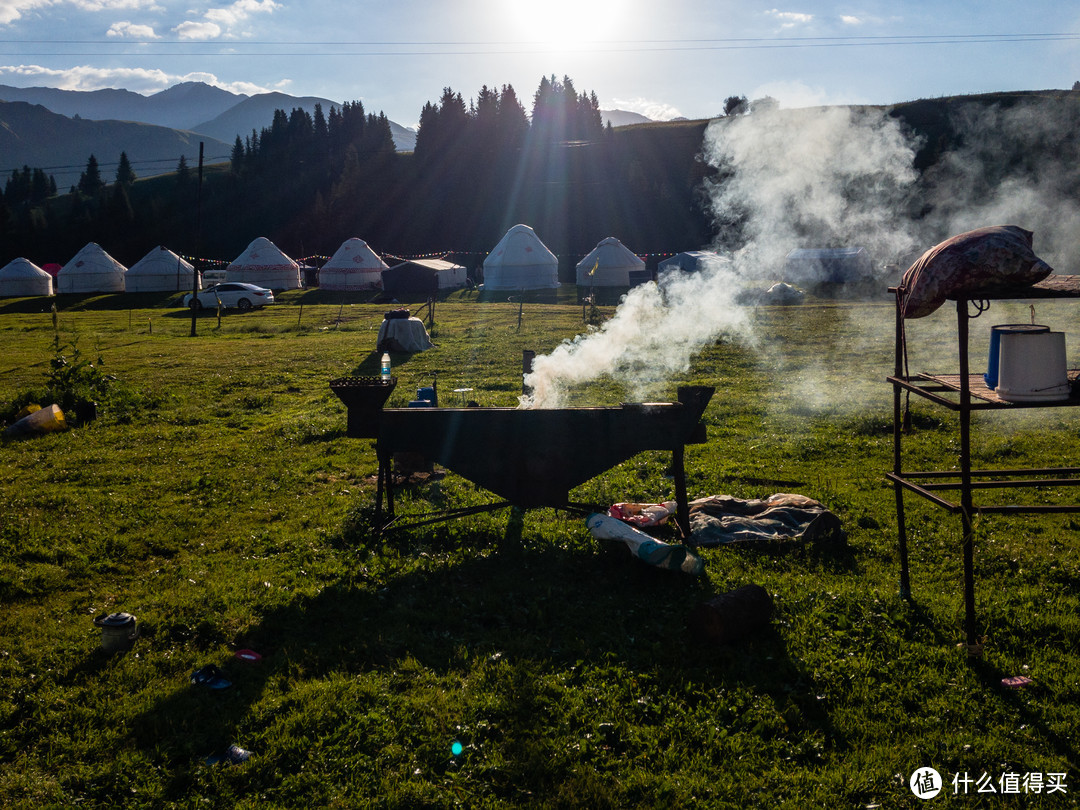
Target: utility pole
x: 198, y: 238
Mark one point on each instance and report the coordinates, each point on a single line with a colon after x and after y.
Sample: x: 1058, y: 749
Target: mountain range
x: 57, y: 130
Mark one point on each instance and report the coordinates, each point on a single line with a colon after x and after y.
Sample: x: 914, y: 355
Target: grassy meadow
x: 217, y: 498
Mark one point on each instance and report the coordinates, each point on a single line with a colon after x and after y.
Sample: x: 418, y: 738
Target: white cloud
x: 113, y: 5
x: 125, y: 28
x: 847, y: 19
x: 656, y: 110
x: 138, y: 80
x: 197, y: 30
x: 239, y: 11
x: 12, y: 10
x: 789, y: 19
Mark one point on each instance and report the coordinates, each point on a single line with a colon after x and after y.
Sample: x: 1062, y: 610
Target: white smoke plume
x: 1017, y: 165
x: 654, y: 334
x: 820, y: 177
x: 831, y: 175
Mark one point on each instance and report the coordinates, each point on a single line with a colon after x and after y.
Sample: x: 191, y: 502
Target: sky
x: 675, y: 58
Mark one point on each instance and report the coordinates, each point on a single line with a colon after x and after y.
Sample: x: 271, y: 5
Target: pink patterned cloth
x: 985, y: 258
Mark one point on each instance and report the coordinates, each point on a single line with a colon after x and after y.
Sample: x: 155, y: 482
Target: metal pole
x: 901, y: 525
x: 966, y: 501
x: 198, y: 235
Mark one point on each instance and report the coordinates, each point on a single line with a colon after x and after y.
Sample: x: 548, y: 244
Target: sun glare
x: 566, y: 23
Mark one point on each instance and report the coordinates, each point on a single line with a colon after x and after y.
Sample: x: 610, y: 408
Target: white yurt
x: 608, y: 265
x: 521, y: 262
x: 91, y: 270
x: 264, y: 264
x: 355, y: 266
x: 21, y: 277
x: 160, y: 270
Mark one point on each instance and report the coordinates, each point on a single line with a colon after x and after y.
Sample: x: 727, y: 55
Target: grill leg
x: 385, y: 483
x: 682, y: 505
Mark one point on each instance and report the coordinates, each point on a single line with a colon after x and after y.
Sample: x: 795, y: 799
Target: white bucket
x: 1031, y: 367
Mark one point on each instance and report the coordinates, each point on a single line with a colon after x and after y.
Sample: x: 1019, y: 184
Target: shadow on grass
x: 539, y: 611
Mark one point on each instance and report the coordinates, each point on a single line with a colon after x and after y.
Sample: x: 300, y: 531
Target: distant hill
x: 254, y: 113
x: 179, y: 107
x: 33, y: 136
x: 192, y: 106
x: 622, y: 118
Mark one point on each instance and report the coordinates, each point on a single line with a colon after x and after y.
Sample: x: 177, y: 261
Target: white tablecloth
x: 403, y: 335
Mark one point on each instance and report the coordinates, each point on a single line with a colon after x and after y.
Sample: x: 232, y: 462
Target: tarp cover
x: 160, y: 269
x: 608, y: 265
x: 91, y: 270
x: 521, y: 262
x: 995, y: 256
x: 354, y: 266
x: 426, y: 276
x: 692, y: 261
x: 828, y: 265
x: 403, y: 335
x: 21, y: 277
x: 263, y: 263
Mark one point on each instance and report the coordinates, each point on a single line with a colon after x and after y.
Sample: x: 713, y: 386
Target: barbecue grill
x: 530, y: 457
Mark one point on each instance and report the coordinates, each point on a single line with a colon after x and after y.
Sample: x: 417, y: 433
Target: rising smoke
x: 822, y: 177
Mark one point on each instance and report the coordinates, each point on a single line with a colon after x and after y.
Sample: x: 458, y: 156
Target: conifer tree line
x: 308, y: 181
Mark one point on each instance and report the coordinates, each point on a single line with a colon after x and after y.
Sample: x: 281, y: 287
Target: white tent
x: 21, y: 277
x: 608, y: 265
x: 521, y: 262
x: 355, y: 266
x: 264, y: 264
x: 91, y: 270
x: 692, y: 261
x: 423, y: 276
x: 160, y: 269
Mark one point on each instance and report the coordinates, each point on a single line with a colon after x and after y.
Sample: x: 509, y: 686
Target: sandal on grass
x: 234, y: 755
x: 210, y: 677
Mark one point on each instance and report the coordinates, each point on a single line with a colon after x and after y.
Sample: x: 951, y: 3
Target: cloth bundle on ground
x: 722, y: 519
x: 983, y: 259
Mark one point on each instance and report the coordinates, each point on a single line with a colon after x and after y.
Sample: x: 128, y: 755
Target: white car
x: 237, y: 294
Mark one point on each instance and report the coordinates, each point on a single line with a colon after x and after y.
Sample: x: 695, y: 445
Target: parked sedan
x: 237, y: 294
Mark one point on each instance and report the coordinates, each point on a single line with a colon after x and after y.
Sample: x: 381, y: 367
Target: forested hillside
x: 308, y: 182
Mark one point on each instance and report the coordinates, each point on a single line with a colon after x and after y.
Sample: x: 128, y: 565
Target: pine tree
x: 236, y: 159
x: 90, y: 182
x: 125, y: 175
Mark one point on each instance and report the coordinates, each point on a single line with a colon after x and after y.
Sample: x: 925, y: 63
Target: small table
x: 403, y: 335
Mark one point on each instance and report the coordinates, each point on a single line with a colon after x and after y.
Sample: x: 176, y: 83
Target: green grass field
x: 217, y: 498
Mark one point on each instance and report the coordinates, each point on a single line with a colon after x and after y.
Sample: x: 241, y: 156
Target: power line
x: 147, y: 163
x: 505, y: 47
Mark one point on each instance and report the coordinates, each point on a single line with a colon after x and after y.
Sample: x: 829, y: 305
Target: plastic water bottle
x: 385, y: 367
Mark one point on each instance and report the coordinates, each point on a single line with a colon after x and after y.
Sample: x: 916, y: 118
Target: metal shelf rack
x: 965, y: 393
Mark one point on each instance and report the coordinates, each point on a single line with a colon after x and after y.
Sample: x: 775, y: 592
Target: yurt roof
x: 262, y: 254
x: 610, y: 252
x: 21, y: 268
x: 159, y: 261
x: 355, y: 254
x: 520, y: 247
x: 90, y: 260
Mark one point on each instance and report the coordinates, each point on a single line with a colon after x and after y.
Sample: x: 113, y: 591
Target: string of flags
x: 439, y: 254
